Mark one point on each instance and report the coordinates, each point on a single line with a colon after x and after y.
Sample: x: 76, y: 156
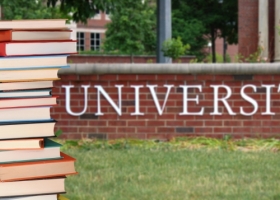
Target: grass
x: 198, y: 168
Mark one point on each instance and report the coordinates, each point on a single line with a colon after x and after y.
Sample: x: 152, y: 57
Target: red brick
x: 233, y: 123
x: 108, y: 77
x: 136, y: 123
x: 203, y: 130
x: 126, y: 130
x: 166, y: 129
x: 213, y: 123
x: 89, y: 77
x: 175, y: 123
x: 263, y: 77
x: 127, y: 77
x: 194, y: 123
x: 166, y: 77
x: 155, y: 123
x: 146, y: 129
x: 107, y: 129
x: 117, y: 123
x: 226, y: 130
x: 185, y: 77
x: 146, y: 77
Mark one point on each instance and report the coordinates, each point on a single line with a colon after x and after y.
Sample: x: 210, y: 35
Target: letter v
x: 153, y: 93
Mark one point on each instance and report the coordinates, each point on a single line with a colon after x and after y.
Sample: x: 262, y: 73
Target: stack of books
x: 31, y: 164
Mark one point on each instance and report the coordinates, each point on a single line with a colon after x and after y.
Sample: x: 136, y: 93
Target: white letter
x: 249, y: 99
x: 186, y: 99
x: 101, y: 90
x: 137, y: 112
x: 216, y: 99
x: 267, y: 110
x: 152, y: 90
x: 68, y: 99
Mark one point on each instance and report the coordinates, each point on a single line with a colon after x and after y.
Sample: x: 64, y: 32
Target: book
x: 37, y: 48
x: 26, y: 35
x: 37, y: 197
x: 26, y: 144
x: 25, y: 85
x: 25, y: 102
x: 51, y: 150
x: 37, y: 169
x: 32, y: 187
x: 25, y: 94
x: 25, y: 114
x: 33, y: 62
x: 21, y: 130
x: 33, y: 24
x: 29, y: 75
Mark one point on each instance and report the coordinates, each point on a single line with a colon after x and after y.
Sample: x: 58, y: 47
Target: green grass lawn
x: 165, y: 172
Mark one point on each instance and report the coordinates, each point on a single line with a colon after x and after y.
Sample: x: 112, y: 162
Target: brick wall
x: 170, y: 123
x: 247, y: 27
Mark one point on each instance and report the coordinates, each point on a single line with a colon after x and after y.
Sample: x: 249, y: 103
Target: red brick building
x: 89, y: 36
x: 258, y: 21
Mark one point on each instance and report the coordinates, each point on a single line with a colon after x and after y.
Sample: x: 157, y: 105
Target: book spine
x: 3, y: 49
x: 5, y: 35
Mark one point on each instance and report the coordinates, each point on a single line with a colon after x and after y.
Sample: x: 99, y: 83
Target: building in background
x: 89, y: 36
x: 257, y: 28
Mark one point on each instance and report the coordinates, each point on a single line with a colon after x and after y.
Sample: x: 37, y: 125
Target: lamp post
x: 163, y: 28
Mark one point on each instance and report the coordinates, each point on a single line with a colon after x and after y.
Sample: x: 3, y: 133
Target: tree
x: 28, y: 9
x: 174, y: 48
x: 132, y: 29
x: 85, y: 9
x: 205, y: 20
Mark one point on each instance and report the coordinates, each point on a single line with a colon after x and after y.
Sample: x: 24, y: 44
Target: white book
x: 26, y: 129
x: 26, y: 85
x: 51, y: 150
x: 32, y: 187
x: 33, y: 24
x: 33, y: 62
x: 25, y: 114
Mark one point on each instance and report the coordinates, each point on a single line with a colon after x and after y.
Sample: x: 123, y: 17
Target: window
x: 80, y: 41
x: 95, y: 41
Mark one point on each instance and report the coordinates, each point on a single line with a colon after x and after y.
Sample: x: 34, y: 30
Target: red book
x: 26, y: 48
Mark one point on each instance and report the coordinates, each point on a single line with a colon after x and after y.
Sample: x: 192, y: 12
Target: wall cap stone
x: 169, y: 68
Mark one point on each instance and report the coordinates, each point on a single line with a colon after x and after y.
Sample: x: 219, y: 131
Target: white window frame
x: 94, y: 46
x: 80, y: 47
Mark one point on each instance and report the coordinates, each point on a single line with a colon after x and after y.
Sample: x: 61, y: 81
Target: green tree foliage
x: 84, y: 9
x: 29, y: 9
x: 132, y: 29
x: 174, y: 48
x: 198, y: 21
x: 189, y: 28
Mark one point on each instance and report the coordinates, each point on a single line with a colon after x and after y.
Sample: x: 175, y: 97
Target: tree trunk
x: 213, y: 46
